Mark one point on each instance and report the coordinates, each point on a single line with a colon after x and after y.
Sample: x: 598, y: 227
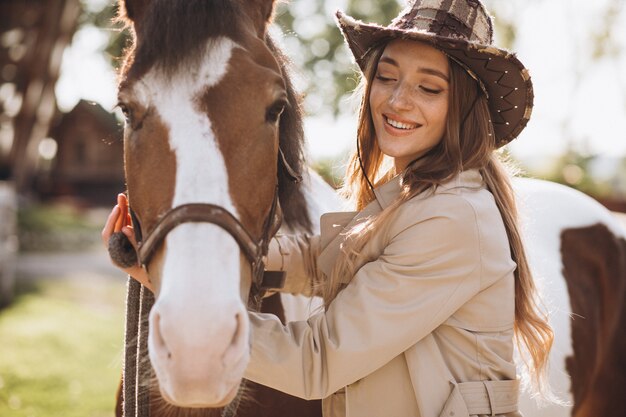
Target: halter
x: 254, y: 250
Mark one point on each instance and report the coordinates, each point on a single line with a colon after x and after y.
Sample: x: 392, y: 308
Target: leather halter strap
x: 196, y: 213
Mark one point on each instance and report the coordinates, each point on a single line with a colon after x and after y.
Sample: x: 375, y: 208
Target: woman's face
x: 409, y: 100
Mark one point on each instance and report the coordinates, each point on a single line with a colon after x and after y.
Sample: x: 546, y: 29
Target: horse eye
x: 275, y: 110
x: 128, y: 113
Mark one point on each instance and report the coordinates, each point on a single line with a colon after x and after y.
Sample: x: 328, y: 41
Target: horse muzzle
x: 199, y: 362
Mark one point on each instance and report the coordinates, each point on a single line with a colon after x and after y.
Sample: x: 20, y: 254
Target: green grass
x: 61, y: 349
x: 57, y: 227
x: 49, y: 218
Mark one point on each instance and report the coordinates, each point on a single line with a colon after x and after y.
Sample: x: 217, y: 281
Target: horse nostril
x: 238, y: 341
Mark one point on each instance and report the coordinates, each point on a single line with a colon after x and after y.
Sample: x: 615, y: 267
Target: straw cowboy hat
x: 463, y: 30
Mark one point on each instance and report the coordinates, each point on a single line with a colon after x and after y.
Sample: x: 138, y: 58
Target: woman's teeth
x: 399, y: 125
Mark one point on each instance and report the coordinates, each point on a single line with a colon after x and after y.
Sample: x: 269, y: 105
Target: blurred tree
x: 578, y: 169
x: 118, y: 37
x: 33, y: 35
x: 312, y: 39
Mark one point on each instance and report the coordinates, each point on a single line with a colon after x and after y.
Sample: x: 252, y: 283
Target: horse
x: 213, y: 152
x: 577, y: 254
x: 213, y: 123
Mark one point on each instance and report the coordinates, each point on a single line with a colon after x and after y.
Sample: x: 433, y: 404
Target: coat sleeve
x: 426, y: 272
x: 297, y: 255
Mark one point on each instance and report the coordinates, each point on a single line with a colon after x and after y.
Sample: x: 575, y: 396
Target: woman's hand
x: 119, y: 221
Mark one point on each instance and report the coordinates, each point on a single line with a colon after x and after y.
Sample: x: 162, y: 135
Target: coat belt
x: 482, y: 397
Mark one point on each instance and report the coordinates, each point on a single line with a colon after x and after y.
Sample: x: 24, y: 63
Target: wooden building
x: 89, y: 162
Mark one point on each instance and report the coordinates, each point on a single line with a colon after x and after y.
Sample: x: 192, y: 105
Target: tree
x: 33, y: 35
x: 316, y: 45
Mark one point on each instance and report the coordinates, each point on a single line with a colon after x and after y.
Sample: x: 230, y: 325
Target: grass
x: 52, y: 218
x: 54, y: 227
x: 61, y: 349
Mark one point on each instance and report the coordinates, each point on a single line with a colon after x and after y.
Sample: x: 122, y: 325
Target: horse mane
x: 178, y: 30
x: 291, y: 140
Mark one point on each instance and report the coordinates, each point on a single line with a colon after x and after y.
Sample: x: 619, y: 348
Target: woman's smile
x: 397, y: 127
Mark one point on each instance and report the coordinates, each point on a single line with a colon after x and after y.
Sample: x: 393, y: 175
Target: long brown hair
x: 468, y: 143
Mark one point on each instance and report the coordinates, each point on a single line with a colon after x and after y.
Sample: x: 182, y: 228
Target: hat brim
x: 505, y: 79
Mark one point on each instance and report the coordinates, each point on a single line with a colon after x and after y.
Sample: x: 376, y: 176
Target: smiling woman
x: 427, y: 284
x: 409, y: 100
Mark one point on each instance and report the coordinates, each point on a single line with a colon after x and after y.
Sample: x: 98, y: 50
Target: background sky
x: 580, y: 100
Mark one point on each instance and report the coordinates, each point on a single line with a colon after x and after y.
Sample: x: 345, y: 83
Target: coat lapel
x: 335, y: 225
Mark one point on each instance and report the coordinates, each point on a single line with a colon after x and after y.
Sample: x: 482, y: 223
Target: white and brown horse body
x: 577, y: 253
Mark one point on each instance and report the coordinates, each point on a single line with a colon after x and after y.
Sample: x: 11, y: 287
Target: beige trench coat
x: 424, y: 329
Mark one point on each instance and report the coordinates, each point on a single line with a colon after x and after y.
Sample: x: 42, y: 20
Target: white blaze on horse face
x: 199, y: 307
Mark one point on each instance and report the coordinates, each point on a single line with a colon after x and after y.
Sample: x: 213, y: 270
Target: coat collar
x: 335, y: 225
x: 390, y: 190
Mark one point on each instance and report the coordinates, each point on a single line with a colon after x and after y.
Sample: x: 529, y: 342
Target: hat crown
x: 460, y: 19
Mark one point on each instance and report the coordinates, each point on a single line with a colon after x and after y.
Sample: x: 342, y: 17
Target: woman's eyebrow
x: 425, y: 70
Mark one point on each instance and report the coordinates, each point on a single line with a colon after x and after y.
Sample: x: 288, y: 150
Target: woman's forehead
x: 407, y: 53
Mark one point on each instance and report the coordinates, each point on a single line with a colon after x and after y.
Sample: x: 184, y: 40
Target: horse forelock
x: 172, y: 33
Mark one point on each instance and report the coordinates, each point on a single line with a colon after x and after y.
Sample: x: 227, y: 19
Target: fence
x: 8, y: 241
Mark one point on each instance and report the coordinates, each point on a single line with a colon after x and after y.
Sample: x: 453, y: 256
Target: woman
x: 427, y: 285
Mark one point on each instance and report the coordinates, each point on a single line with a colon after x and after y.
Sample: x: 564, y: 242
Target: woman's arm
x: 297, y: 255
x: 426, y: 272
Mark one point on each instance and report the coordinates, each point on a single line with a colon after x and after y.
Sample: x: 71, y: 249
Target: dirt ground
x: 92, y: 263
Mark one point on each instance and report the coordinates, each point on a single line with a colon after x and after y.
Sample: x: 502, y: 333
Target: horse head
x: 209, y: 114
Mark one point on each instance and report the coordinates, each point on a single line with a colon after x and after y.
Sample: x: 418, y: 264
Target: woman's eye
x: 383, y: 78
x: 430, y: 90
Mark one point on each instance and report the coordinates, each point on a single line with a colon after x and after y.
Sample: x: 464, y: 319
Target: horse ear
x: 132, y: 10
x: 262, y: 13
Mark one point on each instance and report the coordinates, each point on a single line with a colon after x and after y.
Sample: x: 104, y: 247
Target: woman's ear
x: 122, y: 251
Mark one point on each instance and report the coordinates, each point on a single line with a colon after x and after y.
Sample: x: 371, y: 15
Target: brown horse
x: 213, y: 125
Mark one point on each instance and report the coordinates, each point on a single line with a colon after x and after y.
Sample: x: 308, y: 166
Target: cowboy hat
x: 463, y: 30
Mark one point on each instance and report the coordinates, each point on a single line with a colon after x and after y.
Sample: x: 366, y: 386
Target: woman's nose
x: 401, y: 98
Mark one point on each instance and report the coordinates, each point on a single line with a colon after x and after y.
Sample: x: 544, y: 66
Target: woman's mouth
x: 396, y: 124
